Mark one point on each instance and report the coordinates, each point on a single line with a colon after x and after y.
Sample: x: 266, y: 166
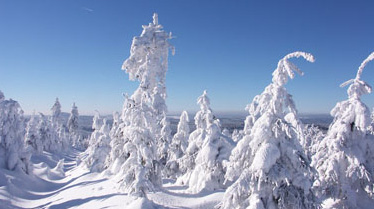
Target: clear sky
x: 74, y: 49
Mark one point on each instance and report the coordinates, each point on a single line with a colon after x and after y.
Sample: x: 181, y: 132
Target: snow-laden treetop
x: 204, y: 102
x: 359, y: 87
x: 275, y: 97
x: 286, y: 68
x: 149, y: 56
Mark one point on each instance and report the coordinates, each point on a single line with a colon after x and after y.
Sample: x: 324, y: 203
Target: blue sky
x: 74, y: 49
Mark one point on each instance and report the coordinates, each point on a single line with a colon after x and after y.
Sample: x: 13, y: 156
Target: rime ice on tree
x: 178, y: 147
x: 73, y: 127
x: 100, y: 150
x: 203, y: 118
x: 268, y: 164
x: 56, y: 112
x: 207, y: 149
x: 164, y: 141
x: 344, y: 157
x: 32, y: 138
x: 13, y: 155
x: 143, y: 111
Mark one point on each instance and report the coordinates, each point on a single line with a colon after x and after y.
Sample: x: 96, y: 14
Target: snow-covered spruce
x: 97, y: 123
x: 59, y: 128
x: 209, y: 173
x: 313, y: 135
x: 344, y: 159
x: 163, y: 143
x: 56, y: 114
x: 237, y: 135
x: 13, y: 155
x: 117, y: 155
x: 48, y: 134
x: 207, y: 149
x: 203, y: 118
x: 73, y: 127
x: 178, y: 147
x: 371, y: 126
x: 143, y: 111
x: 32, y: 138
x: 269, y: 162
x: 52, y: 131
x: 100, y: 150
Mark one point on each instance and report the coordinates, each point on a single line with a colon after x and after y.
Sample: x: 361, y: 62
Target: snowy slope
x: 49, y: 188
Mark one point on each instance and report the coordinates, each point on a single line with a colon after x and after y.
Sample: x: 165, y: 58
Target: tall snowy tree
x: 52, y: 132
x: 32, y: 138
x: 97, y: 123
x: 142, y: 114
x: 180, y: 140
x: 100, y: 150
x: 178, y: 146
x: 56, y: 113
x: 73, y: 127
x: 344, y: 157
x: 164, y: 141
x: 205, y: 150
x: 13, y: 155
x: 313, y: 136
x: 269, y: 165
x: 209, y: 173
x: 117, y: 156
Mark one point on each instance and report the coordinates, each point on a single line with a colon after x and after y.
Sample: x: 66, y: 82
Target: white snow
x: 78, y: 188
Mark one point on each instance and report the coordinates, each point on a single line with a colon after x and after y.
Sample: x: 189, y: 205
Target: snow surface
x: 74, y: 187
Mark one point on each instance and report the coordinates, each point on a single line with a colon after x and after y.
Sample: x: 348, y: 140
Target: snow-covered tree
x: 13, y: 155
x: 73, y: 127
x: 48, y: 134
x: 203, y: 118
x: 143, y: 111
x: 180, y: 140
x: 371, y: 126
x: 56, y: 113
x: 32, y: 138
x: 268, y: 164
x: 209, y: 173
x: 164, y: 141
x: 52, y: 131
x: 313, y: 136
x: 202, y: 165
x: 237, y: 135
x: 226, y: 132
x: 97, y: 123
x: 117, y: 156
x: 63, y: 137
x: 178, y: 146
x: 100, y: 150
x: 344, y: 157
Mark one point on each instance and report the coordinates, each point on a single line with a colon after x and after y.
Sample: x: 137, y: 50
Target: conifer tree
x: 344, y: 157
x: 56, y: 113
x: 99, y: 150
x: 13, y: 155
x: 202, y: 164
x: 73, y: 127
x: 32, y: 138
x: 143, y: 111
x: 178, y: 147
x: 268, y: 166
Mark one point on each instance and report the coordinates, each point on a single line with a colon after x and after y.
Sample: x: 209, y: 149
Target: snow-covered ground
x: 76, y: 187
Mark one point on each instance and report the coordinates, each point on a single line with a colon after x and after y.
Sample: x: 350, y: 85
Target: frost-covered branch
x: 286, y: 68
